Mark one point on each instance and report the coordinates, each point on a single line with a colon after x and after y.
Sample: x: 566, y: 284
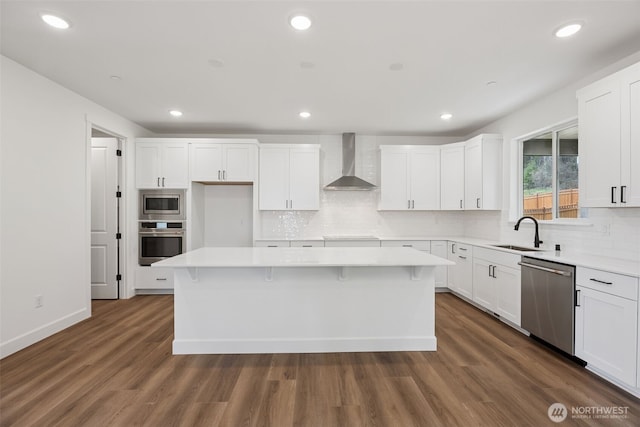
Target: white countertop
x: 302, y: 257
x: 614, y: 265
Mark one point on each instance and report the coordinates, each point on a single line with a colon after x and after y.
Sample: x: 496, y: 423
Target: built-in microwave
x: 165, y: 205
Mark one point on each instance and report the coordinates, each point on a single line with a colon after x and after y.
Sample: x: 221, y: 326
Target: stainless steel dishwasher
x: 548, y: 301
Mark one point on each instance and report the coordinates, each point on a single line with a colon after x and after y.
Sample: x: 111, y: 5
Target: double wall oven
x: 161, y: 225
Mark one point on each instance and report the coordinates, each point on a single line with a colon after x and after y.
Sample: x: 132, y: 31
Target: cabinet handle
x: 407, y: 246
x: 272, y: 246
x: 601, y: 281
x: 462, y: 257
x: 413, y: 204
x: 463, y: 249
x: 490, y: 270
x: 290, y: 204
x: 224, y: 175
x: 161, y: 279
x: 408, y: 204
x: 460, y: 203
x: 219, y: 179
x: 577, y: 302
x: 453, y: 248
x: 493, y: 273
x: 623, y: 197
x: 163, y: 181
x: 158, y: 182
x: 478, y: 203
x: 286, y: 204
x: 307, y: 246
x: 613, y: 194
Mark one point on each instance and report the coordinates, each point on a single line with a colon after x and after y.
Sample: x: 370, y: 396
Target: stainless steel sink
x: 517, y: 248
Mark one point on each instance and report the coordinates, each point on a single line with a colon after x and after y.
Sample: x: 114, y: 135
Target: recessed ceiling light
x: 55, y: 21
x: 305, y: 114
x: 114, y: 77
x: 446, y: 116
x: 568, y: 30
x: 492, y: 83
x: 216, y: 63
x: 175, y: 113
x: 300, y: 22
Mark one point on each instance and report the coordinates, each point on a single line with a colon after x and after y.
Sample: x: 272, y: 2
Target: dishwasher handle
x: 548, y: 270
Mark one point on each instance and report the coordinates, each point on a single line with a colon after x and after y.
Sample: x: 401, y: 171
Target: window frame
x: 554, y: 130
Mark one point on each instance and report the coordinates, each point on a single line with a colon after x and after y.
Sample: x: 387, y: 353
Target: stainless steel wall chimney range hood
x: 349, y: 180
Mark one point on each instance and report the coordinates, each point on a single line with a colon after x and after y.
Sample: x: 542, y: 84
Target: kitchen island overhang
x: 303, y: 300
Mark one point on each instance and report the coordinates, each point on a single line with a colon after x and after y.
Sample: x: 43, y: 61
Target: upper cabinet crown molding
x: 609, y: 130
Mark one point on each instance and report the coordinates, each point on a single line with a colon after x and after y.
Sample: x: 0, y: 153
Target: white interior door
x: 104, y: 218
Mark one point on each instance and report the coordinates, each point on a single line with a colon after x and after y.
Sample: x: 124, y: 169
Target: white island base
x: 303, y: 300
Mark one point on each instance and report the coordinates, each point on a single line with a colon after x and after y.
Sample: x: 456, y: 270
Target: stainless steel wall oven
x: 160, y: 240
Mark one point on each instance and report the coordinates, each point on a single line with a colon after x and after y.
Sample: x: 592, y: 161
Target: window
x: 550, y: 174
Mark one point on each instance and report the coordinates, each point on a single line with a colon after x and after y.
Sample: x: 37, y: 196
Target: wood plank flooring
x: 116, y: 369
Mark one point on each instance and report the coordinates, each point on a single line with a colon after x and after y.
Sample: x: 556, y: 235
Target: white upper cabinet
x: 162, y: 163
x: 608, y: 112
x: 289, y: 177
x: 410, y: 177
x: 452, y: 176
x: 483, y: 173
x: 234, y: 161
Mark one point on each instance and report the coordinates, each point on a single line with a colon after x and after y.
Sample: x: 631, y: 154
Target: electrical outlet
x: 38, y: 301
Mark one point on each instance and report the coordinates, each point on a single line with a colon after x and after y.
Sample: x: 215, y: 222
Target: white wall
x: 45, y: 209
x: 612, y: 232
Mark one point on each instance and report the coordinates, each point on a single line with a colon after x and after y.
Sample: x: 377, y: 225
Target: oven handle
x: 548, y: 270
x: 161, y: 233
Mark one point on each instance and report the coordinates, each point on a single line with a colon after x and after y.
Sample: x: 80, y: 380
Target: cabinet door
x: 464, y: 275
x: 599, y: 123
x: 239, y: 162
x: 451, y: 269
x: 394, y: 181
x: 630, y: 138
x: 439, y: 248
x: 206, y: 162
x: 424, y: 180
x: 507, y: 284
x: 304, y: 179
x: 484, y: 285
x: 452, y: 177
x: 274, y: 179
x: 473, y: 175
x: 175, y: 165
x: 147, y: 165
x: 606, y: 333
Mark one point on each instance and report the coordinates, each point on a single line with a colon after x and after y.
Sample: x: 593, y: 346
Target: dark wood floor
x: 117, y: 369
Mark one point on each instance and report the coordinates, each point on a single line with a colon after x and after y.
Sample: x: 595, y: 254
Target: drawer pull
x: 462, y: 257
x: 407, y: 246
x: 162, y: 279
x: 601, y: 281
x: 463, y: 249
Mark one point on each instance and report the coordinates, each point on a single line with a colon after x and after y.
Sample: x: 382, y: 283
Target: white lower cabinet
x: 271, y: 244
x: 307, y: 243
x: 496, y: 282
x: 154, y: 278
x: 439, y: 248
x: 460, y: 276
x: 352, y: 243
x: 606, y: 335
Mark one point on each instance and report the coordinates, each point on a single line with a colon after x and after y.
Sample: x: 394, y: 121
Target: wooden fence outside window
x: 539, y: 205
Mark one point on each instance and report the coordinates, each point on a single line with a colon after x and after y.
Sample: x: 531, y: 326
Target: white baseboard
x: 319, y: 345
x: 25, y: 340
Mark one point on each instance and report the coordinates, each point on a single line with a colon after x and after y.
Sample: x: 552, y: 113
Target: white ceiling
x: 236, y: 66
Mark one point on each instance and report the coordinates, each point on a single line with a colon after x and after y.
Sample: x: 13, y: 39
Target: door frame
x: 123, y: 285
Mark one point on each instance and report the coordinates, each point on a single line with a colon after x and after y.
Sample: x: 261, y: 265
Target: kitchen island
x: 303, y: 300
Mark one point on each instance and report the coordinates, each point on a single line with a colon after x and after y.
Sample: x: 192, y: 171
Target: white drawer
x: 421, y: 245
x: 307, y: 243
x: 272, y: 243
x: 497, y: 257
x: 611, y: 283
x: 351, y: 243
x: 154, y: 278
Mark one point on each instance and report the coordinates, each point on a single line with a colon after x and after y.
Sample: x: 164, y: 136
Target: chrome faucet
x: 536, y: 239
